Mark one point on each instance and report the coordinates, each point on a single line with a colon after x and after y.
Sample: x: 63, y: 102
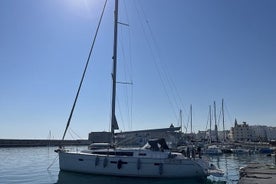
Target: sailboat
x: 154, y: 160
x: 213, y: 149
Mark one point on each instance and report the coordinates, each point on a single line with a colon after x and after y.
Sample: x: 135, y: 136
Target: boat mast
x: 191, y: 111
x: 114, y: 124
x: 222, y: 109
x: 216, y: 126
x: 210, y: 114
x: 180, y: 114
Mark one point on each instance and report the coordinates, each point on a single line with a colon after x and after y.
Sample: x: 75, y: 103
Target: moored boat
x: 213, y: 150
x: 153, y: 160
x: 266, y: 150
x: 240, y: 150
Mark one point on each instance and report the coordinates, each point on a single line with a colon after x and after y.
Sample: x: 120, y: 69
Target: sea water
x: 39, y: 165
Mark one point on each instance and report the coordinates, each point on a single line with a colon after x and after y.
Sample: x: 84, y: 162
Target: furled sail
x: 115, y: 124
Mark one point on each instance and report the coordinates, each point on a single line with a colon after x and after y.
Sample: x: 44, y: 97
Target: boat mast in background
x: 216, y: 126
x: 181, y: 123
x: 222, y: 109
x: 210, y: 114
x: 191, y: 111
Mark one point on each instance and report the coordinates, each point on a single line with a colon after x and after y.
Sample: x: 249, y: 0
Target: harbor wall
x: 41, y: 142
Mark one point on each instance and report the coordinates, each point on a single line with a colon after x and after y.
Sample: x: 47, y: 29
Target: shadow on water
x: 70, y: 178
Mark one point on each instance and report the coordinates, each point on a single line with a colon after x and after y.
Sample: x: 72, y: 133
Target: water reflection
x: 33, y: 169
x: 70, y: 178
x: 231, y: 163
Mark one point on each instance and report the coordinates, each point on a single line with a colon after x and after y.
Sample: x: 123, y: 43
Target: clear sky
x: 176, y: 53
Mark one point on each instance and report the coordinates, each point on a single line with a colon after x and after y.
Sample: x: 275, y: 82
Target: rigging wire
x: 168, y: 83
x: 128, y: 100
x: 70, y: 133
x: 179, y: 101
x: 156, y: 59
x: 163, y: 71
x: 52, y: 163
x: 228, y: 114
x: 130, y: 67
x: 74, y: 133
x: 207, y: 123
x: 220, y: 115
x: 121, y: 114
x: 84, y: 72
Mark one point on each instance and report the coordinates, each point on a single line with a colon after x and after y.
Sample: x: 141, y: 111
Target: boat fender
x: 161, y: 168
x: 138, y: 164
x: 96, y: 161
x: 119, y: 164
x: 105, y: 162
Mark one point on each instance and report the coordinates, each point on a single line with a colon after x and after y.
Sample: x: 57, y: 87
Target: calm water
x: 29, y: 165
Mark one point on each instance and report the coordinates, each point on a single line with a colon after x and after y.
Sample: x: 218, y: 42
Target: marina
x: 131, y: 91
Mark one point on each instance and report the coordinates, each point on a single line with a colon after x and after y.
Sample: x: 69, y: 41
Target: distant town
x: 240, y: 132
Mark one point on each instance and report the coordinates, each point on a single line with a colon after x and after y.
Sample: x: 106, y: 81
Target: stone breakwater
x: 40, y: 142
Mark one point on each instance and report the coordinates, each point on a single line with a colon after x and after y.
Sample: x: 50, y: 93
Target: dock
x: 258, y: 173
x: 5, y: 143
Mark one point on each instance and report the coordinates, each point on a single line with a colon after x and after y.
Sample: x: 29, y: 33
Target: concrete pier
x: 40, y: 142
x: 258, y: 173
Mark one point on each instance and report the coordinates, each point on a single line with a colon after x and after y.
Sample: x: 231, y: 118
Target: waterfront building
x: 205, y: 135
x: 258, y: 133
x: 240, y: 132
x: 271, y: 133
x: 261, y: 133
x: 254, y: 133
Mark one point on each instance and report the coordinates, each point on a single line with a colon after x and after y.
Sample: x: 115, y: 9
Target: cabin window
x: 113, y: 153
x: 142, y: 154
x: 115, y: 162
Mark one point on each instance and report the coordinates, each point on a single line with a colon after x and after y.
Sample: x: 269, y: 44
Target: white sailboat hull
x: 213, y: 150
x: 131, y: 166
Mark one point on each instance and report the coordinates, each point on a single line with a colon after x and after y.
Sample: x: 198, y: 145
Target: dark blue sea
x: 31, y: 165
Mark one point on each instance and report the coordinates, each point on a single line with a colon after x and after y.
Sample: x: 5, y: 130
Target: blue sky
x: 176, y: 53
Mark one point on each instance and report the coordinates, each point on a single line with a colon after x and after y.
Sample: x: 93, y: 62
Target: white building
x: 262, y: 133
x: 255, y: 133
x: 271, y: 133
x: 258, y: 133
x: 240, y: 132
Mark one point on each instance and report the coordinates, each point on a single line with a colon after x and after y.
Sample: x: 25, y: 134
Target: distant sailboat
x: 213, y: 149
x: 155, y: 159
x: 240, y: 150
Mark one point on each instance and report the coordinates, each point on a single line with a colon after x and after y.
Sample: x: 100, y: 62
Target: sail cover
x: 115, y: 124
